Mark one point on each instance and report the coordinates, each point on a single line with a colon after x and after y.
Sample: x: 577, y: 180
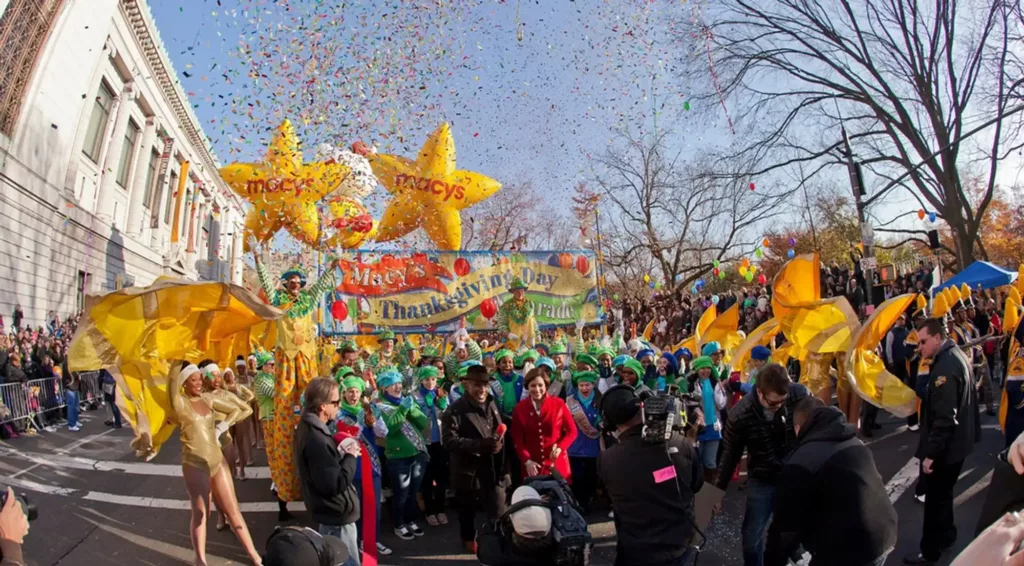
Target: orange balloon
x: 746, y: 262
x: 766, y: 243
x: 920, y: 214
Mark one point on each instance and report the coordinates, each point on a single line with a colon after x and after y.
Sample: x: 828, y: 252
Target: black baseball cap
x: 299, y: 546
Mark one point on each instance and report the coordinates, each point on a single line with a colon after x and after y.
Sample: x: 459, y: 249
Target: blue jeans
x: 406, y: 477
x: 756, y: 517
x: 71, y: 400
x: 376, y: 499
x: 347, y: 534
x: 709, y: 453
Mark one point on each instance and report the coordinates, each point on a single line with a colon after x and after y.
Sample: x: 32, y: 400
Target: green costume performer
x: 296, y: 355
x: 516, y: 315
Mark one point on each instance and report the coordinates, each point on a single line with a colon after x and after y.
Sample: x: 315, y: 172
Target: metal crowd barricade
x: 26, y: 401
x: 13, y: 403
x: 89, y: 391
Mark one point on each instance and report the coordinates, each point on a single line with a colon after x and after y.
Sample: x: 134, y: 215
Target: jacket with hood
x: 830, y: 498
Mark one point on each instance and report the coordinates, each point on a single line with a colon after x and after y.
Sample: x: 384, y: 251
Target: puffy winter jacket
x: 767, y: 442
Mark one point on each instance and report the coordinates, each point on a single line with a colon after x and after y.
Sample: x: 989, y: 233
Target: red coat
x: 534, y: 434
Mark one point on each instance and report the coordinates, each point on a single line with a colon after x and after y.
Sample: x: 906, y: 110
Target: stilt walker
x: 295, y: 355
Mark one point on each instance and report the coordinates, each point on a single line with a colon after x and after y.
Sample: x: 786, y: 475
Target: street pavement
x: 98, y: 504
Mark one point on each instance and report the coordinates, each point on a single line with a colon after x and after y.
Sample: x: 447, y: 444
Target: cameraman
x: 651, y: 487
x: 13, y: 528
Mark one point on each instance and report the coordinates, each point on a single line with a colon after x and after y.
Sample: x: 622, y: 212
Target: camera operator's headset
x: 637, y: 402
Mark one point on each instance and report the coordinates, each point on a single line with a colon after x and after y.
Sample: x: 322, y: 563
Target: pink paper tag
x: 664, y: 474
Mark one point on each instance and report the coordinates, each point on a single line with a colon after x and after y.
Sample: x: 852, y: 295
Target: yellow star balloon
x: 429, y: 192
x: 283, y: 190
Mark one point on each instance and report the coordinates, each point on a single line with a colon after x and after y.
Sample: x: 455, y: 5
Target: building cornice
x: 146, y: 35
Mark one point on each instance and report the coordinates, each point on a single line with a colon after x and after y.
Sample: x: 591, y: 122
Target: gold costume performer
x: 296, y: 358
x: 201, y: 418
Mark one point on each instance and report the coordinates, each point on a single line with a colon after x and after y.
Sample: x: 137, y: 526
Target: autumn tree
x: 924, y: 89
x: 517, y: 218
x: 672, y: 218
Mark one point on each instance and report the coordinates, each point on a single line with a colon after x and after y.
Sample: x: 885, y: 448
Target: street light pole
x: 867, y: 234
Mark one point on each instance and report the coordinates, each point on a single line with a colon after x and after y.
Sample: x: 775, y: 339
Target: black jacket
x: 464, y: 425
x: 653, y: 519
x: 767, y: 443
x: 950, y: 423
x: 830, y: 498
x: 326, y: 475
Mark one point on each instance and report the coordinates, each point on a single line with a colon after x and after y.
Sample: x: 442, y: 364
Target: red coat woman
x: 542, y: 430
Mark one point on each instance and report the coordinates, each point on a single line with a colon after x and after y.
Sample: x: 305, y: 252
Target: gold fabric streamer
x: 761, y: 336
x: 723, y: 329
x: 866, y: 372
x: 134, y: 333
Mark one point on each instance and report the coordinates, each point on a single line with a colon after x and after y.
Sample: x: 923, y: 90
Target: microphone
x: 500, y: 431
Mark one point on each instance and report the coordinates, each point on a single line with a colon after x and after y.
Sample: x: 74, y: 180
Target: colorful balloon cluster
x: 932, y: 217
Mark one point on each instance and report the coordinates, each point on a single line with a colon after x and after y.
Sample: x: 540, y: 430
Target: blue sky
x: 536, y: 110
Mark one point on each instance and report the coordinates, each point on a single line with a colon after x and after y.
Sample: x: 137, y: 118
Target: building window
x: 83, y: 281
x: 172, y: 188
x: 98, y: 122
x: 124, y: 163
x: 24, y: 27
x: 150, y: 188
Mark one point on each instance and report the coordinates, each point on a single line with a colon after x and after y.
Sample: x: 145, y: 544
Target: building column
x: 108, y: 173
x: 136, y: 205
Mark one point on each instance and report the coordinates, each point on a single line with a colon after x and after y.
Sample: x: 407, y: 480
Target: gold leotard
x: 199, y: 447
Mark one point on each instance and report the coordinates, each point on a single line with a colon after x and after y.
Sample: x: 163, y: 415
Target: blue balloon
x: 553, y: 261
x: 652, y: 284
x: 714, y: 299
x: 931, y: 217
x: 790, y: 253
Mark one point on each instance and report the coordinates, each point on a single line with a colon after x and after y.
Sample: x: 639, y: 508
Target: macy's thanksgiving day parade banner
x: 431, y: 291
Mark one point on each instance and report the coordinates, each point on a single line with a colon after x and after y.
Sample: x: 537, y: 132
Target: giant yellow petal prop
x: 429, y: 192
x: 692, y: 343
x: 866, y: 371
x: 798, y: 283
x: 1020, y: 279
x: 724, y: 330
x: 283, y: 189
x: 648, y: 330
x: 815, y: 372
x: 135, y: 332
x: 823, y: 327
x: 761, y: 336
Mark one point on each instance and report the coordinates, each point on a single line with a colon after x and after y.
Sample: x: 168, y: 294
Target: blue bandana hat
x: 710, y: 348
x: 388, y: 378
x: 760, y: 353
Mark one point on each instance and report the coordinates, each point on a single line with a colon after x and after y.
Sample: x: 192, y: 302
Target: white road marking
x: 136, y: 468
x: 975, y: 489
x: 902, y: 480
x: 898, y: 430
x: 65, y: 450
x: 136, y: 501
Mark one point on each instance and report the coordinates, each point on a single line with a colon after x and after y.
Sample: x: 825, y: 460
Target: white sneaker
x: 75, y: 428
x: 403, y: 533
x: 919, y: 498
x: 383, y: 550
x: 913, y: 428
x: 611, y: 514
x: 414, y: 529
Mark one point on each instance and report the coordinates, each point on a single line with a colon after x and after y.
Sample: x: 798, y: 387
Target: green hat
x: 558, y: 348
x: 587, y: 359
x: 701, y: 363
x: 635, y: 367
x: 342, y: 373
x: 588, y: 376
x: 464, y: 367
x: 426, y: 372
x: 385, y: 335
x: 388, y: 378
x: 353, y: 382
x: 593, y: 348
x: 262, y: 358
x: 605, y: 351
x: 530, y: 355
x: 504, y: 353
x: 517, y: 283
x: 295, y: 271
x: 429, y: 351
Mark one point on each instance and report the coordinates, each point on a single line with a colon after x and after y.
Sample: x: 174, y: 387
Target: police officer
x: 651, y: 487
x: 950, y: 425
